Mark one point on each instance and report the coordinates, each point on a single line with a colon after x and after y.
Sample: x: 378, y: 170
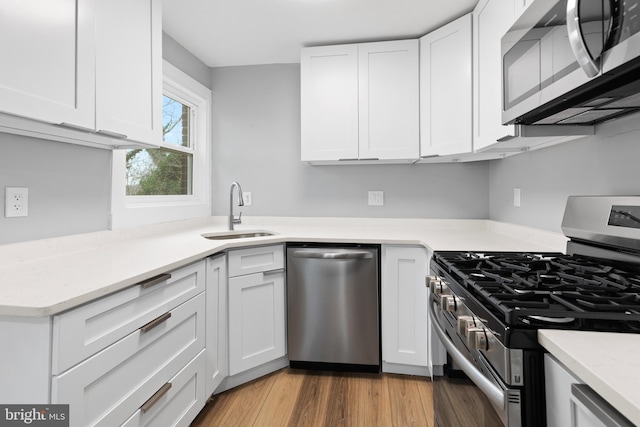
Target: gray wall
x: 605, y: 164
x: 256, y: 141
x: 180, y: 57
x: 69, y: 187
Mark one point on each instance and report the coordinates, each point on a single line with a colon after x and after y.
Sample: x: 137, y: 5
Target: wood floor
x: 308, y: 398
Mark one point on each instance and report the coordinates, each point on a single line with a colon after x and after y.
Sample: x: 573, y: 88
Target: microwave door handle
x: 494, y: 393
x: 578, y: 46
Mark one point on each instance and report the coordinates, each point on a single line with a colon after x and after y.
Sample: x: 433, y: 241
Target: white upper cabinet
x: 389, y: 100
x: 491, y: 20
x: 329, y: 79
x: 445, y: 90
x: 48, y: 66
x: 129, y: 69
x: 519, y: 7
x: 360, y: 102
x: 85, y: 65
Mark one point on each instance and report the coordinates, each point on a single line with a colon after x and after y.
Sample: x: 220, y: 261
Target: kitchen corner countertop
x: 609, y: 363
x: 45, y: 277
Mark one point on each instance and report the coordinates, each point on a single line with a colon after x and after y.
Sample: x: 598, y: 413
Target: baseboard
x: 252, y: 374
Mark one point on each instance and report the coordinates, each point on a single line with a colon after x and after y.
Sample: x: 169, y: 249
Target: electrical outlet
x: 246, y: 198
x: 16, y: 201
x: 376, y: 198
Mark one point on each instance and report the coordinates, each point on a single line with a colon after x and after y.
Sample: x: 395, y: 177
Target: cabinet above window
x: 82, y: 72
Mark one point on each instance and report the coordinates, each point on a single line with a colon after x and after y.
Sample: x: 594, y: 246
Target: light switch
x: 517, y: 194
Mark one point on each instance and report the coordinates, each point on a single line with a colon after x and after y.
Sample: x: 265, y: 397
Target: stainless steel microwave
x: 572, y: 62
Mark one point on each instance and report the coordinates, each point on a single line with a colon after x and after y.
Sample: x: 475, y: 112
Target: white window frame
x: 129, y: 211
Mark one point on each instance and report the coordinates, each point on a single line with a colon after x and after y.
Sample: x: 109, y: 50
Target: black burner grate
x: 527, y: 288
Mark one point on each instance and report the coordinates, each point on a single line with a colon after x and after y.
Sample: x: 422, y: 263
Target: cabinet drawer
x: 107, y: 388
x: 255, y: 260
x: 181, y: 402
x: 83, y: 331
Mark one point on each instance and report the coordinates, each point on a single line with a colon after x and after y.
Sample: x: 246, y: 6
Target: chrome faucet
x: 232, y: 219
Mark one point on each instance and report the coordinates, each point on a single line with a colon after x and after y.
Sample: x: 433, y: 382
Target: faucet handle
x: 239, y: 219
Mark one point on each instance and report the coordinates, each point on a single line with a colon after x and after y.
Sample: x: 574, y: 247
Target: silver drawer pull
x: 155, y: 322
x: 112, y: 134
x: 279, y: 270
x: 75, y: 127
x: 154, y: 280
x: 146, y: 406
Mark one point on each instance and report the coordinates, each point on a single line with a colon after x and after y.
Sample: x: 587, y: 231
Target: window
x: 164, y: 171
x: 171, y: 182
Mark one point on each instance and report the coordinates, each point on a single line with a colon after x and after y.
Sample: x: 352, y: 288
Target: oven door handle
x: 493, y: 392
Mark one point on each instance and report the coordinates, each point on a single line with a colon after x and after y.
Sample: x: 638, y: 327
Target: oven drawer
x: 109, y: 387
x: 83, y: 331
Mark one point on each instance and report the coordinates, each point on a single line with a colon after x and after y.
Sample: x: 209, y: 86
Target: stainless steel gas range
x: 488, y: 306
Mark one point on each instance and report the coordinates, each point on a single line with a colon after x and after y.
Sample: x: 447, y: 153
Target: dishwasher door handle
x: 355, y: 254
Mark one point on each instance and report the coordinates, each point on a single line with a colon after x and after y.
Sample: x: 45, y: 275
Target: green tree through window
x: 167, y: 170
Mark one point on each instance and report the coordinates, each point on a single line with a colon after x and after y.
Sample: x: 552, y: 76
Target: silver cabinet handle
x: 598, y: 407
x: 155, y: 322
x: 334, y: 255
x: 494, y: 393
x: 146, y: 406
x: 112, y: 134
x: 75, y: 127
x: 154, y: 280
x: 279, y: 270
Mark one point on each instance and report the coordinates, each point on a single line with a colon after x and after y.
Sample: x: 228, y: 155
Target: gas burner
x: 546, y: 289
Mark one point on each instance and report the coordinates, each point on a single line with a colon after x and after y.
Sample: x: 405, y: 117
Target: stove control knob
x: 428, y: 280
x: 464, y: 323
x: 478, y: 338
x: 448, y: 302
x: 438, y: 287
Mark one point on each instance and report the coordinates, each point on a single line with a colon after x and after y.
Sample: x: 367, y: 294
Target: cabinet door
x: 129, y: 69
x: 256, y: 320
x: 519, y: 7
x: 216, y: 327
x: 389, y: 100
x: 557, y: 383
x: 329, y: 96
x: 445, y: 90
x: 491, y: 20
x: 48, y: 67
x: 404, y: 305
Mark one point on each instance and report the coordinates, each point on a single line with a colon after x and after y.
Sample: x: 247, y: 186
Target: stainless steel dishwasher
x: 333, y: 301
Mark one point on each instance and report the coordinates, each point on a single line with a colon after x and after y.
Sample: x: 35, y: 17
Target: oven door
x: 475, y: 400
x: 552, y: 49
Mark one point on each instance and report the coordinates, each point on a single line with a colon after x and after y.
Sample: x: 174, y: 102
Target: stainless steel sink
x: 240, y: 234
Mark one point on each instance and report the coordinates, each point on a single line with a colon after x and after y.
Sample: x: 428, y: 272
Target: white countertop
x: 609, y: 363
x: 45, y: 277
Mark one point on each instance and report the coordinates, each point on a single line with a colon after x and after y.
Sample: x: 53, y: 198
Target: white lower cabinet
x: 256, y: 320
x: 571, y: 403
x: 136, y: 351
x: 176, y: 403
x: 408, y: 345
x: 217, y: 323
x: 107, y: 388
